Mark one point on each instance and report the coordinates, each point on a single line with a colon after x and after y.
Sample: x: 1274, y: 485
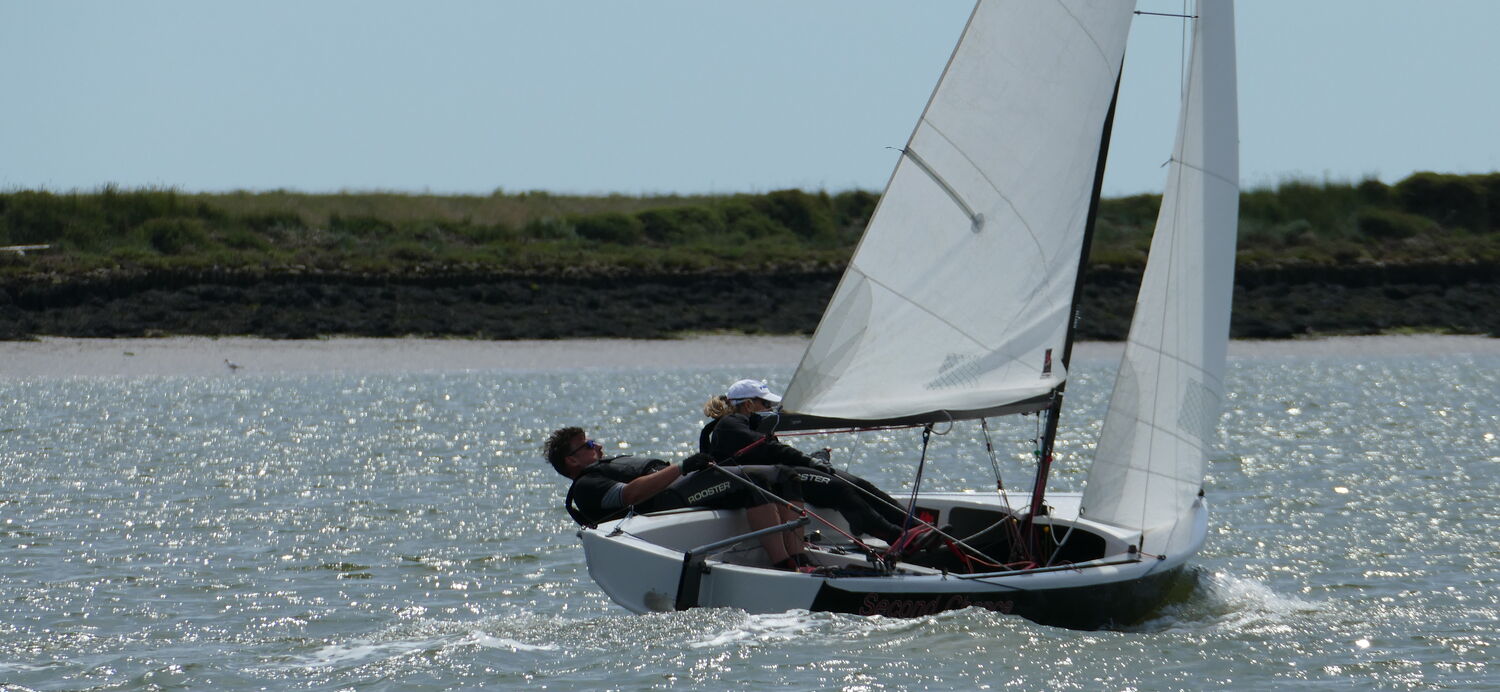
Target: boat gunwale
x: 1112, y: 567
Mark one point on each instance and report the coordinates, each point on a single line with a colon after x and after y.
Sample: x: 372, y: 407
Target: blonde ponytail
x: 718, y: 407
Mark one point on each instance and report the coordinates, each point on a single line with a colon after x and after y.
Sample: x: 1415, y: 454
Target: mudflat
x: 73, y: 357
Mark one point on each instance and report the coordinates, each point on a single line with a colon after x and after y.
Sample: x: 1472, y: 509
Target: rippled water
x: 400, y: 532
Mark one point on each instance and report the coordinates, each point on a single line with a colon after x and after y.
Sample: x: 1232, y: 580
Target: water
x: 344, y: 532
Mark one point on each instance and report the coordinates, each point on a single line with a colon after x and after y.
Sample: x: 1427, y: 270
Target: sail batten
x: 957, y: 300
x: 975, y: 218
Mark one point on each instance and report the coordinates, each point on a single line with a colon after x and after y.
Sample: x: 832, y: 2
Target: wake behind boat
x: 959, y: 305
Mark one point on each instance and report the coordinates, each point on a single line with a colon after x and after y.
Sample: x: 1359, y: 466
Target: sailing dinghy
x: 959, y: 304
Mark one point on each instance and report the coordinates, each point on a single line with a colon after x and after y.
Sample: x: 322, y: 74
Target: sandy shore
x: 53, y: 357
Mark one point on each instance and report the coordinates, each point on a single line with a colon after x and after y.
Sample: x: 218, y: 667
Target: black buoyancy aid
x: 621, y: 469
x: 705, y: 438
x: 760, y: 426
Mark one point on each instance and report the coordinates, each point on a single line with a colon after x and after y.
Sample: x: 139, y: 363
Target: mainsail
x: 1149, y: 464
x: 957, y: 301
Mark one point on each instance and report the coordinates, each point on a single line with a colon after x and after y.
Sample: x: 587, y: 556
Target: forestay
x: 957, y: 300
x: 1149, y: 464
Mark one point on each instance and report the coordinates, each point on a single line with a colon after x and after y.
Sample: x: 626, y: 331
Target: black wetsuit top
x: 710, y: 488
x: 586, y: 497
x: 727, y: 436
x: 868, y: 508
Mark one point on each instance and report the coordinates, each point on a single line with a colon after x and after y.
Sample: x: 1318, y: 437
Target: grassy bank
x: 1331, y: 257
x: 391, y: 234
x: 1426, y: 219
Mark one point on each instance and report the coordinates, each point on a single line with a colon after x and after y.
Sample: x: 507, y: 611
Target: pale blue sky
x: 689, y: 96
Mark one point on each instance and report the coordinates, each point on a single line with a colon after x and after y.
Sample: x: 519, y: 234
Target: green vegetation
x: 1426, y: 219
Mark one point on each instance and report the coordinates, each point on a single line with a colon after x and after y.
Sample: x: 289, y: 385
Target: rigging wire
x: 1012, y: 527
x: 1182, y: 54
x: 969, y: 554
x: 1183, y: 45
x: 794, y: 507
x: 1156, y: 14
x: 916, y: 486
x: 989, y: 448
x: 1059, y: 544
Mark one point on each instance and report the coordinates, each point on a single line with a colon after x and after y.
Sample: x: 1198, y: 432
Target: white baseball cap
x: 751, y: 389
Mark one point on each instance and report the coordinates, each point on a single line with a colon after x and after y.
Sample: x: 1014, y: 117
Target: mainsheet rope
x: 916, y: 486
x: 974, y: 555
x: 1012, y: 527
x: 786, y: 503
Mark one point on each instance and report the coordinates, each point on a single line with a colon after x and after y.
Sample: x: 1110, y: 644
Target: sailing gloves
x: 696, y: 462
x: 819, y: 461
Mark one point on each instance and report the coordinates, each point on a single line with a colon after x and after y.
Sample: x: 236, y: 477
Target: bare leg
x: 793, y: 540
x: 762, y: 517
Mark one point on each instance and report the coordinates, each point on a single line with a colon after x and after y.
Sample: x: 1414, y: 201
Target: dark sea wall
x: 1269, y: 303
x: 490, y: 307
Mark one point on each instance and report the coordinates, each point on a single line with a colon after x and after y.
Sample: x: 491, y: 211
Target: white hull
x: 639, y: 561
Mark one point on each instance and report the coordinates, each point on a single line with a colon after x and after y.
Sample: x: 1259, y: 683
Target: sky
x: 642, y: 97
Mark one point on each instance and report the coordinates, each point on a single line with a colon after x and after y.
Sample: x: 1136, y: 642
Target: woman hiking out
x: 744, y: 416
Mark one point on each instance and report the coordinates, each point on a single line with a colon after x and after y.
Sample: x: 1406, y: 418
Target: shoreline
x: 196, y: 355
x: 1270, y: 303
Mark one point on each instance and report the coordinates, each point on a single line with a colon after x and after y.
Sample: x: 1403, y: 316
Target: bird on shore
x: 233, y: 366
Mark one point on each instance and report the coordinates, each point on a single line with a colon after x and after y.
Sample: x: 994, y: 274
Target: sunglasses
x: 589, y: 444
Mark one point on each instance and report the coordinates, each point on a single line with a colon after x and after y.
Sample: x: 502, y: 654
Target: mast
x: 1054, y: 412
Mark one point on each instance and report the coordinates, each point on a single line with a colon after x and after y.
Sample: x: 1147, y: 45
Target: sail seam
x: 1030, y: 233
x: 977, y: 220
x: 1168, y: 281
x: 1200, y: 444
x: 1145, y: 467
x: 924, y: 310
x: 1166, y: 354
x: 974, y: 218
x: 1103, y: 54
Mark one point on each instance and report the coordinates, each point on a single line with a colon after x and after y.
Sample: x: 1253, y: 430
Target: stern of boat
x: 639, y: 561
